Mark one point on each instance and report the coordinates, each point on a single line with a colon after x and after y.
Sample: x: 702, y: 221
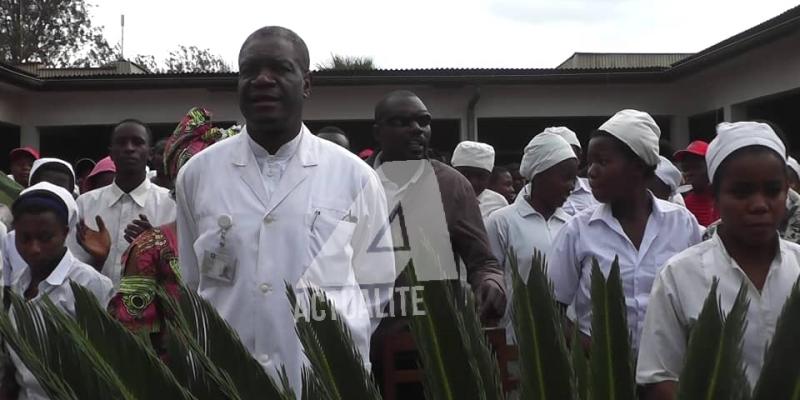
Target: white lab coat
x: 320, y: 223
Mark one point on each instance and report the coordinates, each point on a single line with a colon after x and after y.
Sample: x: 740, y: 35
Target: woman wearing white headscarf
x: 632, y: 224
x: 43, y: 216
x: 746, y: 164
x: 530, y: 223
x: 666, y: 182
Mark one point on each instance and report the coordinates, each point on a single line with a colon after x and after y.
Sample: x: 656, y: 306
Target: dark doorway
x: 71, y: 143
x: 444, y: 134
x: 509, y: 136
x: 703, y: 126
x: 782, y: 111
x: 9, y: 140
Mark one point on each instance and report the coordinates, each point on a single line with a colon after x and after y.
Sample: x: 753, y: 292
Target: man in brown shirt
x: 402, y: 129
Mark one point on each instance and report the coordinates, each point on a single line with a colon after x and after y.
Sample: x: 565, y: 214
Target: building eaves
x: 581, y: 60
x: 784, y: 24
x: 18, y: 77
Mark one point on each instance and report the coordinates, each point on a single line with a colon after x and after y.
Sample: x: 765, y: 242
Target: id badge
x: 219, y: 265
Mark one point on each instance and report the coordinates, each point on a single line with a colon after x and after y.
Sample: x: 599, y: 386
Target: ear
x: 307, y: 84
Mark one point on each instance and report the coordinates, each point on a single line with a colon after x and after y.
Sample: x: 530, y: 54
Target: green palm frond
x: 202, y: 330
x: 194, y: 370
x: 488, y: 368
x: 713, y: 368
x: 57, y: 352
x: 336, y: 363
x: 611, y: 362
x: 312, y: 390
x: 580, y: 366
x: 9, y: 190
x: 450, y: 368
x: 780, y: 376
x: 545, y: 371
x: 132, y: 359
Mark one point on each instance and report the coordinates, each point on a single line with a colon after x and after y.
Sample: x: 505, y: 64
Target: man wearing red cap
x: 21, y: 162
x: 699, y: 200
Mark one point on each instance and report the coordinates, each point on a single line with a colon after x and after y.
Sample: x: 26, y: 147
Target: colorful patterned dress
x: 150, y: 262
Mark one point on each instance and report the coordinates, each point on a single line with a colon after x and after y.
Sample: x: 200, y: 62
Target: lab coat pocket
x: 331, y: 252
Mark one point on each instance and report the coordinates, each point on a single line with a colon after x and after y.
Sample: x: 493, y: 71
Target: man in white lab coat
x: 277, y: 204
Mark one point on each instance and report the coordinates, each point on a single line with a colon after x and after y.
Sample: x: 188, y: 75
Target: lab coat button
x: 266, y: 287
x: 269, y: 219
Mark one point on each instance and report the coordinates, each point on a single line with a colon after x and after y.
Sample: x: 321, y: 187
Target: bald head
x: 384, y: 106
x: 279, y: 32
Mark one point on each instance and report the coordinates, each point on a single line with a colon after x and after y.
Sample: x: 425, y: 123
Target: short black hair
x: 754, y: 149
x: 52, y: 166
x: 627, y: 152
x: 380, y: 108
x: 135, y: 122
x: 331, y: 129
x: 297, y: 42
x: 496, y: 172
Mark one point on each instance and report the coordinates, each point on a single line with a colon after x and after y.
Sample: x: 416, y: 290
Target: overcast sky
x: 437, y: 33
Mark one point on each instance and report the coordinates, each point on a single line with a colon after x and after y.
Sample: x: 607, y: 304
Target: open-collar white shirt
x: 118, y: 209
x: 595, y: 233
x: 680, y: 291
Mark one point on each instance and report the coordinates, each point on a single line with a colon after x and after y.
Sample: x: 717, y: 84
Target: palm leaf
x: 780, y: 376
x: 9, y: 190
x: 58, y: 353
x: 202, y: 330
x: 545, y: 371
x: 336, y: 363
x: 133, y: 359
x: 580, y: 366
x: 611, y: 362
x: 450, y: 370
x: 488, y: 367
x: 713, y: 367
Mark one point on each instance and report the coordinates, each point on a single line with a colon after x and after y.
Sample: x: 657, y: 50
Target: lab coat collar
x: 307, y: 149
x: 61, y: 271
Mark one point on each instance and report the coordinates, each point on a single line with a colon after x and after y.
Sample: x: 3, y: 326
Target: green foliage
x: 780, y: 376
x: 580, y: 366
x: 336, y: 364
x: 713, y: 368
x: 9, y: 190
x: 450, y: 361
x: 57, y: 33
x: 611, y: 361
x: 545, y: 370
x: 339, y: 62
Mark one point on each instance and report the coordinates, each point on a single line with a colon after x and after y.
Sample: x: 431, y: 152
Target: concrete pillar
x: 463, y: 129
x: 29, y: 136
x: 679, y: 131
x: 734, y: 112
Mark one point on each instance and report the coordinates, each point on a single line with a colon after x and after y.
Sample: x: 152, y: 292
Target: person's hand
x: 96, y: 243
x: 491, y: 301
x: 135, y: 228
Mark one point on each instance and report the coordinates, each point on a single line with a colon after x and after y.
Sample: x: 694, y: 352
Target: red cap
x: 366, y: 153
x: 698, y: 148
x: 24, y: 150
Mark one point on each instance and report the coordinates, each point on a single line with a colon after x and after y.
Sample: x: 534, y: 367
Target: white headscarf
x: 732, y: 136
x: 63, y: 194
x: 473, y: 154
x: 669, y: 174
x: 47, y: 160
x: 566, y: 133
x: 542, y: 152
x: 794, y: 165
x: 638, y: 131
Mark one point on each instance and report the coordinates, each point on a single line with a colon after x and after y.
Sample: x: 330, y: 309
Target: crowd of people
x: 235, y: 213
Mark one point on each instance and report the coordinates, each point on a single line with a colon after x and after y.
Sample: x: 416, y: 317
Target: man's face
x: 504, y: 184
x: 477, y: 177
x: 694, y: 171
x: 21, y: 168
x: 404, y: 130
x: 272, y: 84
x: 130, y: 148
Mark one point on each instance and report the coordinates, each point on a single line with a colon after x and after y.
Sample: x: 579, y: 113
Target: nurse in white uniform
x: 631, y: 223
x: 531, y: 222
x: 746, y: 163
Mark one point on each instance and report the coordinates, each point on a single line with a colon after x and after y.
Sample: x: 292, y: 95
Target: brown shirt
x: 465, y: 225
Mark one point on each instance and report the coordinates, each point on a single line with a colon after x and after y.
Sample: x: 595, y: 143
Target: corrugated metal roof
x: 122, y: 67
x: 621, y: 60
